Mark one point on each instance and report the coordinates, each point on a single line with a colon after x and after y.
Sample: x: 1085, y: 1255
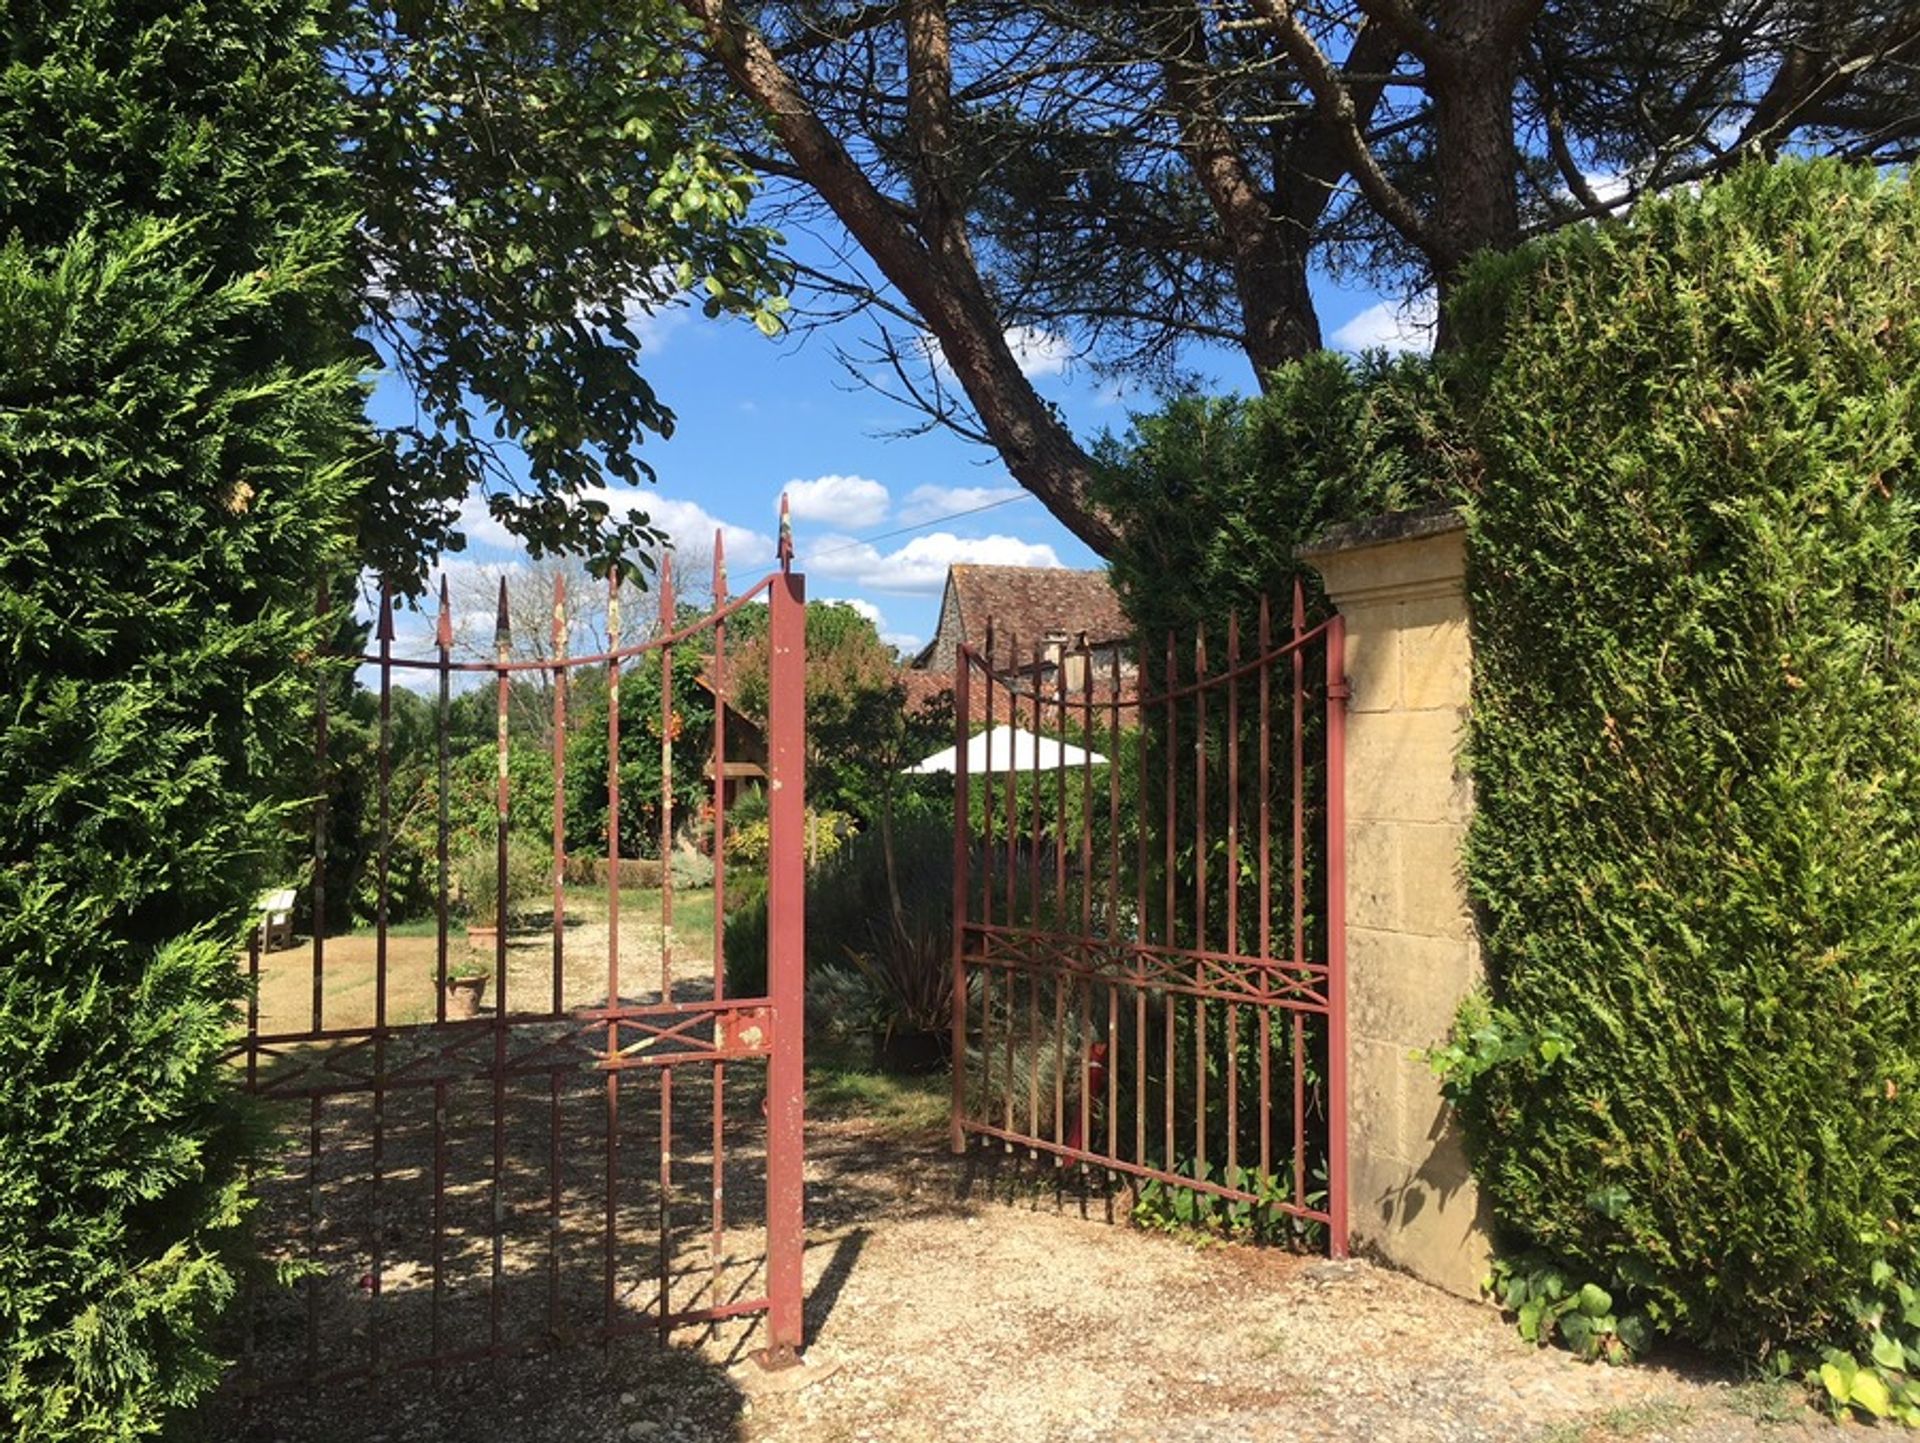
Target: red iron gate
x: 1149, y: 946
x: 464, y: 1189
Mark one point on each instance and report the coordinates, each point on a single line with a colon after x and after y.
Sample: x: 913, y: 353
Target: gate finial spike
x: 560, y: 614
x: 502, y: 623
x: 719, y: 565
x: 1299, y: 605
x: 443, y: 626
x: 384, y: 631
x: 666, y: 590
x: 786, y: 533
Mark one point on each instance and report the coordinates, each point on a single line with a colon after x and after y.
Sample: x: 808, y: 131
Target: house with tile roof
x: 1050, y: 626
x: 1031, y: 605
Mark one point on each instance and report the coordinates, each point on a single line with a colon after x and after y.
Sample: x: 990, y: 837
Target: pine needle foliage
x: 179, y: 431
x: 1695, y: 577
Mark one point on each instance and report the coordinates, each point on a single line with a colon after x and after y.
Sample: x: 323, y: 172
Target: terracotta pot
x: 463, y: 997
x: 483, y: 939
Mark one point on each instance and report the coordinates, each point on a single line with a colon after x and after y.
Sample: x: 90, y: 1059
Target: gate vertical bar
x: 786, y: 967
x: 560, y: 629
x: 323, y: 606
x: 962, y: 887
x: 1337, y: 693
x: 382, y: 880
x: 443, y: 658
x: 502, y: 648
x: 717, y: 1241
x: 668, y: 608
x: 610, y: 1225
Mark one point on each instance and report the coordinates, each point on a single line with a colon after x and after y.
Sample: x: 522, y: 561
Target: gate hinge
x: 1340, y: 690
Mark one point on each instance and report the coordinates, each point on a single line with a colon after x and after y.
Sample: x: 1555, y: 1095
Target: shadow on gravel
x: 632, y: 1389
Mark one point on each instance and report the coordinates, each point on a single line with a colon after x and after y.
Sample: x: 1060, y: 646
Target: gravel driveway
x: 944, y: 1305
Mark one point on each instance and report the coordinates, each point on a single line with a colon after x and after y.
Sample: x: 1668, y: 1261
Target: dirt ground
x: 948, y: 1299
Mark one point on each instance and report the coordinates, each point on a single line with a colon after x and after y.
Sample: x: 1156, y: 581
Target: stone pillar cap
x: 1402, y: 556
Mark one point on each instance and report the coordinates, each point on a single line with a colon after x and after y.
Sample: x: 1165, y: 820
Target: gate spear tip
x: 385, y: 629
x: 786, y: 533
x: 666, y: 590
x: 502, y: 625
x: 443, y: 627
x: 719, y: 565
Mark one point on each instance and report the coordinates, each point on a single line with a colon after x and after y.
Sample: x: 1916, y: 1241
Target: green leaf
x: 1595, y: 1301
x: 1838, y: 1381
x: 1887, y: 1352
x: 1529, y: 1320
x: 1870, y: 1392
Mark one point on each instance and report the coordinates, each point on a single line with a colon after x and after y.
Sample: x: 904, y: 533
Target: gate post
x: 786, y: 962
x: 1408, y: 951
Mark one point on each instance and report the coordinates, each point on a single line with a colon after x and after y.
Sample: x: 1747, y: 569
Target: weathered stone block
x: 1404, y: 988
x: 1373, y: 875
x: 1435, y: 663
x: 1373, y: 663
x: 1405, y: 766
x: 1433, y: 898
x: 1427, y: 1219
x: 1375, y: 1097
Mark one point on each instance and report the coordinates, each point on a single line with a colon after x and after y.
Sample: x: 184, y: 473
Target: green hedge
x: 1695, y: 577
x: 175, y: 418
x: 1211, y: 494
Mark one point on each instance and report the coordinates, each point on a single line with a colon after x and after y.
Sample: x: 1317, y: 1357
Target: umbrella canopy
x: 1009, y: 749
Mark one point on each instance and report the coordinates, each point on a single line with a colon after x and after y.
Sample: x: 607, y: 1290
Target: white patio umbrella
x: 1009, y: 748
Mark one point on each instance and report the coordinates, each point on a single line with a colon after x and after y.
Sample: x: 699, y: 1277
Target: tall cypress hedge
x: 179, y: 427
x: 1695, y: 578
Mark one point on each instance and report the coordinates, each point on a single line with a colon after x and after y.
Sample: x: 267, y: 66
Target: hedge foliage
x: 1695, y: 578
x: 1212, y: 494
x: 178, y: 426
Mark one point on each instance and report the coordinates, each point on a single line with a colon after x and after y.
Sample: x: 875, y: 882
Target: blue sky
x: 757, y: 418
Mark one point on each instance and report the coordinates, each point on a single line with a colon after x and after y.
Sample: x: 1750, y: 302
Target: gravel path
x: 944, y: 1306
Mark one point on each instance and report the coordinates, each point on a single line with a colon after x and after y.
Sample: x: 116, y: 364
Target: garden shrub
x: 177, y: 418
x: 529, y: 880
x: 865, y: 973
x: 1695, y: 576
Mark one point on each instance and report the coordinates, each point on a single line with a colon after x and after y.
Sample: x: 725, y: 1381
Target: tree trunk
x: 935, y: 273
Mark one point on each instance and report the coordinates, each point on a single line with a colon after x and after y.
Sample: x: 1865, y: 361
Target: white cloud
x: 920, y: 567
x: 1040, y: 353
x: 1392, y: 326
x: 689, y: 525
x: 865, y: 608
x: 480, y: 527
x: 904, y: 642
x: 929, y: 502
x: 839, y: 500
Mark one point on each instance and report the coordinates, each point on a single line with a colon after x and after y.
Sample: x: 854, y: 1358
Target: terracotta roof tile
x: 1031, y: 602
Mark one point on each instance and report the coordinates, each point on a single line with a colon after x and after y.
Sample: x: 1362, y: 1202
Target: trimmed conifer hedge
x: 1695, y: 577
x: 179, y: 419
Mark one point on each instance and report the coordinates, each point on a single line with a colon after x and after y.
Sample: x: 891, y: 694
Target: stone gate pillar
x: 1399, y: 581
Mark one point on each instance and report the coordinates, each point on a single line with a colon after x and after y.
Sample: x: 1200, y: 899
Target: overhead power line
x: 918, y: 526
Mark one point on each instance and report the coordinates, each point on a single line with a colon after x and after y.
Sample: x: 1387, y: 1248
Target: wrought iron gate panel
x: 465, y: 1189
x: 1136, y: 931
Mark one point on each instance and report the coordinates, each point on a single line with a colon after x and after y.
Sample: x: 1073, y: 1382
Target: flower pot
x: 483, y: 939
x: 463, y: 997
